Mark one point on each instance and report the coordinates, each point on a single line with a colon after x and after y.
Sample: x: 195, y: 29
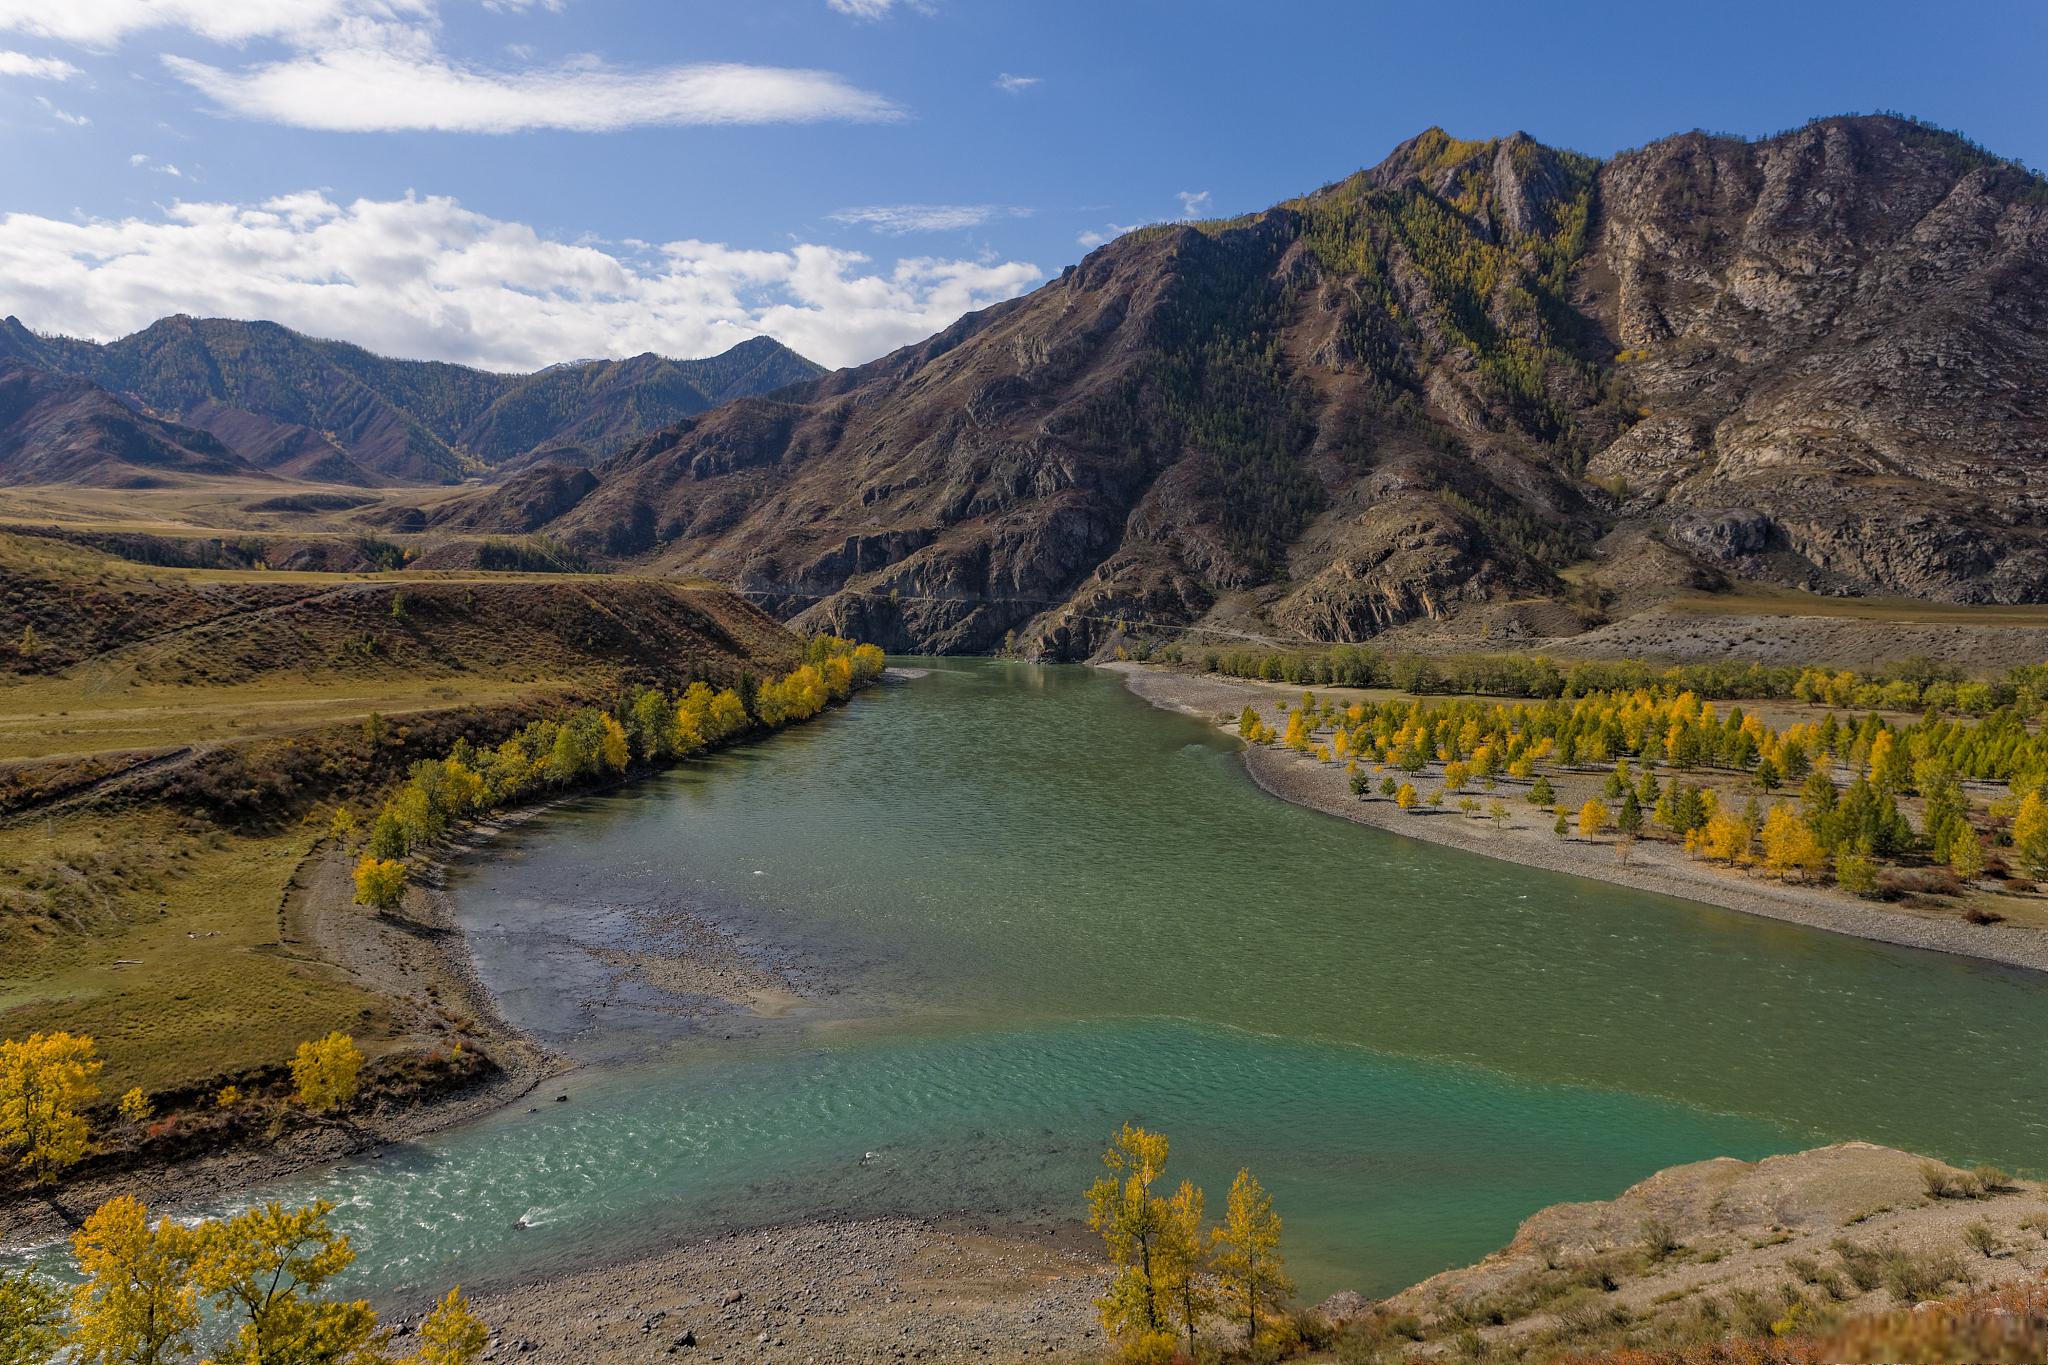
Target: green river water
x: 1032, y: 906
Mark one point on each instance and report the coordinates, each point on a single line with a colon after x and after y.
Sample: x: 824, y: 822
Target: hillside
x: 1478, y: 372
x: 176, y: 740
x: 56, y: 429
x: 330, y: 412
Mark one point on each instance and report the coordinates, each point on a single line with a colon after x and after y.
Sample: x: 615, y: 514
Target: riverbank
x: 1526, y: 836
x: 882, y: 1289
x: 417, y: 962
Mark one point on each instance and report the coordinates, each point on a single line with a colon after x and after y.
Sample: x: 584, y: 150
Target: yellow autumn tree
x: 138, y: 1304
x: 380, y: 882
x: 1725, y: 838
x: 451, y: 1335
x: 1247, y: 1260
x: 686, y: 734
x: 325, y: 1071
x: 1185, y: 1288
x: 264, y: 1270
x: 1405, y: 797
x: 31, y: 1318
x: 45, y: 1081
x: 1592, y: 819
x: 135, y: 1106
x: 1129, y: 1217
x: 612, y: 746
x: 2030, y: 833
x: 1790, y: 845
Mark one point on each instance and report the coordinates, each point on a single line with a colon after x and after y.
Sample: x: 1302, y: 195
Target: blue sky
x: 510, y: 182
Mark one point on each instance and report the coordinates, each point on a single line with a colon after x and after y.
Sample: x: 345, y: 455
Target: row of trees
x: 1915, y: 684
x: 648, y: 727
x: 49, y: 1081
x: 153, y: 1292
x: 1171, y: 1274
x: 1831, y: 826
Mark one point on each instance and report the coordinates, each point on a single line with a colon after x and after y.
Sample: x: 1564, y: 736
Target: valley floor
x: 1527, y: 837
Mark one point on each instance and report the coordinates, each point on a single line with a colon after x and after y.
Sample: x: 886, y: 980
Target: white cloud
x: 898, y: 219
x: 374, y: 66
x: 1095, y: 237
x: 880, y: 9
x: 99, y: 23
x: 141, y: 162
x: 1015, y: 85
x: 36, y: 68
x: 426, y: 277
x: 1193, y: 203
x: 63, y: 115
x: 382, y: 87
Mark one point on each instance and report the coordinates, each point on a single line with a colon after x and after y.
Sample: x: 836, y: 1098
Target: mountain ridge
x: 332, y: 411
x: 1447, y: 379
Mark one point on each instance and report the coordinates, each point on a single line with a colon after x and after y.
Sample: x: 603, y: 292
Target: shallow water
x: 1032, y: 906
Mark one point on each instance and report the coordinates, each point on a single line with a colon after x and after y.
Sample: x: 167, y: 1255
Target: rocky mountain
x: 1813, y: 359
x: 331, y: 412
x: 58, y: 429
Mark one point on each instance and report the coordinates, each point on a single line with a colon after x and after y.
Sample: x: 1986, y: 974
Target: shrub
x: 1658, y: 1240
x: 1909, y: 1278
x: 1864, y: 1267
x: 1979, y: 1238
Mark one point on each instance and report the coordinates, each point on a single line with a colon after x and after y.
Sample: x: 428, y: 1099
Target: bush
x: 1909, y: 1278
x: 1979, y: 1238
x: 1938, y: 1180
x: 1658, y: 1239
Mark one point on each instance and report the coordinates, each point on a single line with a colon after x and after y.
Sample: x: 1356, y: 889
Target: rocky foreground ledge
x: 1718, y: 1247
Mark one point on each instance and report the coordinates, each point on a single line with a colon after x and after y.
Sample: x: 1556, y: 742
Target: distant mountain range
x: 210, y: 395
x: 1477, y: 372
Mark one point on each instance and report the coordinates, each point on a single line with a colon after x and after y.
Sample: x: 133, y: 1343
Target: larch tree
x: 451, y: 1335
x: 1592, y: 819
x: 1247, y: 1259
x: 138, y: 1304
x: 1966, y: 854
x: 1184, y: 1284
x: 45, y: 1081
x: 1123, y: 1209
x: 31, y: 1318
x: 2030, y: 833
x: 265, y: 1270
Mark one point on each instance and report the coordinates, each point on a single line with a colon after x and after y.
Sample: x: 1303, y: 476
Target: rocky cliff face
x: 1812, y: 359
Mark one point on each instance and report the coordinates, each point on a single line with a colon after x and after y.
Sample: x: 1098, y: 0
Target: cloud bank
x: 425, y: 277
x: 364, y: 66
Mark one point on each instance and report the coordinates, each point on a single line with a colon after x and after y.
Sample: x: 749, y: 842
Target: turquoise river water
x: 1030, y: 907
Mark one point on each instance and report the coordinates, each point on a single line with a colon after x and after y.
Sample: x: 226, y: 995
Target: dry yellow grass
x: 158, y: 935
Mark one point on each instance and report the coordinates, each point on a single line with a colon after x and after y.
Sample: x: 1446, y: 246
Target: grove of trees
x: 1171, y: 1276
x: 648, y: 727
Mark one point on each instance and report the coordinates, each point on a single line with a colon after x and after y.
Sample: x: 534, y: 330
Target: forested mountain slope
x: 1812, y: 359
